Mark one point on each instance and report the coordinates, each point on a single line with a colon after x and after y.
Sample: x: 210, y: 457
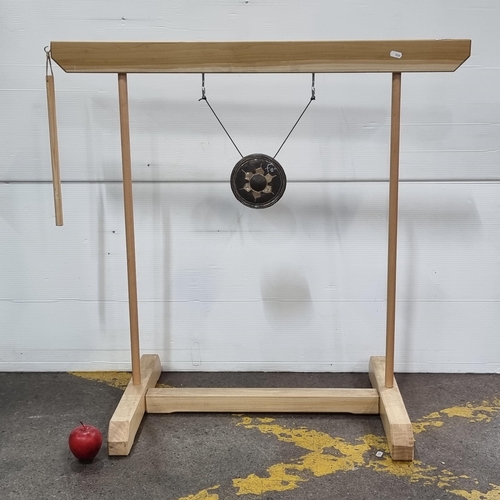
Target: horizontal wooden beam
x: 395, y: 419
x: 316, y: 400
x: 261, y: 57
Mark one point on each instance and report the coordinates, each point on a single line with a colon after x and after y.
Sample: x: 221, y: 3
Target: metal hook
x: 48, y: 61
x: 203, y: 95
x: 313, y: 88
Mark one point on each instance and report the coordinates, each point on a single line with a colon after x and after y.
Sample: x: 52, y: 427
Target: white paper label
x: 396, y: 54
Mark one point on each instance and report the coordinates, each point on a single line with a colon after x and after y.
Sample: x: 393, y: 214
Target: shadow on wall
x: 319, y: 215
x: 441, y: 213
x: 322, y: 210
x: 286, y: 297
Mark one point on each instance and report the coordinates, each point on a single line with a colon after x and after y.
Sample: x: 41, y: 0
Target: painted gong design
x: 258, y: 181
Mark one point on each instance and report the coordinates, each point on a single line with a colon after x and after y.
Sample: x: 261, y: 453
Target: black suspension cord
x: 298, y: 120
x: 313, y: 97
x: 204, y: 98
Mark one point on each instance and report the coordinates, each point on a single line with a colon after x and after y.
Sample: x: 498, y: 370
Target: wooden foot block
x: 397, y: 425
x: 130, y: 410
x: 316, y: 400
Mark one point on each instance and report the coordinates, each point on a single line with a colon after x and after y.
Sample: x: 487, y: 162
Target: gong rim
x: 258, y: 177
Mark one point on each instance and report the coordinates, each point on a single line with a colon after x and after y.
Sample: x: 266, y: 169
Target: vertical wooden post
x: 393, y: 229
x: 129, y: 228
x: 54, y: 148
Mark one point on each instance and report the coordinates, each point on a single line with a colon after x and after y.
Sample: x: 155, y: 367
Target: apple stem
x: 83, y: 425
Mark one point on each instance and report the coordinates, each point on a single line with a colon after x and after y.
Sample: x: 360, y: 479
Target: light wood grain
x: 316, y: 400
x: 130, y: 410
x: 395, y: 419
x: 54, y: 148
x: 393, y: 228
x: 261, y: 57
x: 129, y: 228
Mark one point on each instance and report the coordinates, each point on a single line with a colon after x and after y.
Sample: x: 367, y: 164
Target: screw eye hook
x: 48, y: 61
x: 203, y: 94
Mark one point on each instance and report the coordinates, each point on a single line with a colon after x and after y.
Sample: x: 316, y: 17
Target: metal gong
x: 258, y: 181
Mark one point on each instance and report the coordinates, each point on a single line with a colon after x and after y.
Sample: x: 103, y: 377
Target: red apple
x: 85, y: 442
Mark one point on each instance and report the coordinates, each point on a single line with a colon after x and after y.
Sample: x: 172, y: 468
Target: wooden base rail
x: 259, y: 400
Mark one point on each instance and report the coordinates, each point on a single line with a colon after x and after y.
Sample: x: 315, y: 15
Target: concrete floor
x: 268, y: 457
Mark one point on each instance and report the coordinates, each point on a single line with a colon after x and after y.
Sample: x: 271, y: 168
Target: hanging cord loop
x: 48, y: 62
x: 204, y: 98
x: 203, y: 94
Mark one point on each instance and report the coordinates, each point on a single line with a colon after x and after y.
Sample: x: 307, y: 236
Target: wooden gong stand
x: 395, y: 57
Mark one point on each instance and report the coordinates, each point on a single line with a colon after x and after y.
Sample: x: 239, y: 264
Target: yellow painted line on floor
x: 475, y: 413
x: 479, y: 412
x: 114, y: 379
x: 329, y: 455
x: 203, y: 495
x: 493, y: 494
x: 288, y: 476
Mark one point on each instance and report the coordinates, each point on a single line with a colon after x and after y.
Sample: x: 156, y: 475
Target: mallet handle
x: 54, y: 148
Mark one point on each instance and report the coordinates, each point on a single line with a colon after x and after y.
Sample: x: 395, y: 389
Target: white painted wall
x: 300, y: 286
